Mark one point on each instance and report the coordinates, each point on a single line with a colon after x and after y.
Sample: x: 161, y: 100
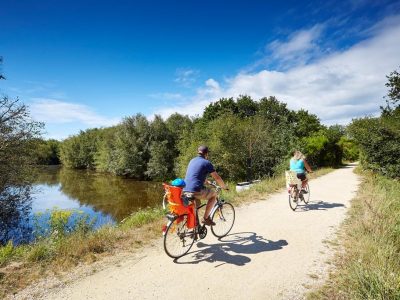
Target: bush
x: 379, y: 142
x: 6, y: 253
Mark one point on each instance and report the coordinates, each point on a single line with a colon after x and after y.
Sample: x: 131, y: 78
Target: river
x: 105, y: 198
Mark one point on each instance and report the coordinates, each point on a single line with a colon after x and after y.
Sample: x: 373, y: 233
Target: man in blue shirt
x: 196, y: 174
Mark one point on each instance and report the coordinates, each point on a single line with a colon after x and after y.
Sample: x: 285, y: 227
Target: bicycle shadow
x: 231, y: 248
x: 317, y: 205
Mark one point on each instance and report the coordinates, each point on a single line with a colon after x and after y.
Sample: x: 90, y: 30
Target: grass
x: 367, y: 264
x: 25, y: 264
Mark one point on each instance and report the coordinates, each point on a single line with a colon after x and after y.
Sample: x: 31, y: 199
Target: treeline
x: 46, y: 152
x: 379, y: 138
x: 248, y: 139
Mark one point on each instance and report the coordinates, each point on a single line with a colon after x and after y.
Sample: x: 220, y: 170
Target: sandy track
x: 271, y: 253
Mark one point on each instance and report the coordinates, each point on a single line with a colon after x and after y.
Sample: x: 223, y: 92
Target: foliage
x: 57, y: 223
x: 47, y: 152
x: 79, y: 151
x: 306, y: 124
x: 276, y: 112
x: 379, y: 138
x: 6, y: 253
x: 379, y: 143
x: 219, y: 108
x: 394, y: 88
x: 248, y: 139
x: 17, y: 130
x: 350, y: 149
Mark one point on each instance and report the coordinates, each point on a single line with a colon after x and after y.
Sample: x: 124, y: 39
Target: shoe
x: 208, y: 222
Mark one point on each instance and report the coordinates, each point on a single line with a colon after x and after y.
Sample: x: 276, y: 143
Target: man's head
x: 203, y: 150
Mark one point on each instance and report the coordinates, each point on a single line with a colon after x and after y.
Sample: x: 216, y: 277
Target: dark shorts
x: 301, y: 176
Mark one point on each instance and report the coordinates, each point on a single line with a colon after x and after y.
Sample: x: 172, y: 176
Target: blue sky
x: 82, y: 64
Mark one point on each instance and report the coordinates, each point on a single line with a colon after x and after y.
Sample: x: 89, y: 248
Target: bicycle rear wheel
x: 178, y: 239
x: 306, y: 195
x: 224, y: 217
x: 293, y: 197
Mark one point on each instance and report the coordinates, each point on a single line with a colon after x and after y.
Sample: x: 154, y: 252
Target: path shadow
x: 230, y: 249
x: 317, y: 205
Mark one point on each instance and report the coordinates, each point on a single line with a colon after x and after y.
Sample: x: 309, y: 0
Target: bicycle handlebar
x: 217, y: 187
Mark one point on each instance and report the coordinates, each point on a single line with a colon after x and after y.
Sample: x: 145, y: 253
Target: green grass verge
x: 22, y: 265
x: 367, y: 265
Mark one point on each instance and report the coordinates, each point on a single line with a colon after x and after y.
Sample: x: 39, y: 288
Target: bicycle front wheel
x: 178, y: 239
x: 224, y: 217
x: 293, y: 197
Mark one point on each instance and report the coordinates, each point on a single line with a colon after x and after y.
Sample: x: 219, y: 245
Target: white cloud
x: 298, y: 49
x: 186, y: 76
x: 167, y: 96
x: 337, y: 87
x: 53, y: 111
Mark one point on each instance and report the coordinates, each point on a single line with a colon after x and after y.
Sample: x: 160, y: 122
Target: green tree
x: 275, y: 111
x: 47, y: 152
x: 132, y: 147
x: 161, y: 162
x: 349, y: 148
x: 394, y: 87
x: 246, y: 106
x: 322, y: 148
x: 219, y: 108
x: 17, y: 131
x: 379, y: 138
x: 306, y: 124
x: 79, y: 151
x: 379, y: 145
x: 162, y: 150
x: 105, y: 157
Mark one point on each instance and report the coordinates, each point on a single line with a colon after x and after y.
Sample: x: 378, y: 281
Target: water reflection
x: 102, y: 193
x: 15, y: 210
x: 105, y: 198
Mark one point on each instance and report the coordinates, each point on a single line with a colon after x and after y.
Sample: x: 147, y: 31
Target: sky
x: 84, y: 64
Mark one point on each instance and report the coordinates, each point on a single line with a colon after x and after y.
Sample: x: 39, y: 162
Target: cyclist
x: 197, y: 171
x: 299, y: 164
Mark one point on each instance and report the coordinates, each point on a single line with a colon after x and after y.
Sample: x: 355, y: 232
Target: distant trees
x: 79, y: 151
x: 46, y: 152
x: 248, y: 139
x: 135, y: 148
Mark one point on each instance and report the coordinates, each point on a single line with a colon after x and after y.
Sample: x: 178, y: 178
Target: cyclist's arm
x: 307, y: 166
x: 219, y: 180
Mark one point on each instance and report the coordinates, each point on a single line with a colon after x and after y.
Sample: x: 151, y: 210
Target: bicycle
x: 183, y: 227
x: 297, y: 193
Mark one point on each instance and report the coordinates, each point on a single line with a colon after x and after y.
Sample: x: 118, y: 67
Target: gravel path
x: 271, y: 253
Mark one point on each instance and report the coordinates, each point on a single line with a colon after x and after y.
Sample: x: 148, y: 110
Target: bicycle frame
x: 173, y: 217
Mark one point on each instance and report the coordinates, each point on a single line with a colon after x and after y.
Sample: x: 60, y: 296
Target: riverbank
x: 367, y: 263
x: 23, y: 265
